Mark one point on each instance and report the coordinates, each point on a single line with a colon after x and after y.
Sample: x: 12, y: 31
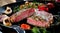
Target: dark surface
x: 6, y: 29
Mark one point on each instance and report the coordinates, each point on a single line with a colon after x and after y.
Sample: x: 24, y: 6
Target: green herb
x: 16, y: 9
x: 35, y: 30
x: 43, y: 30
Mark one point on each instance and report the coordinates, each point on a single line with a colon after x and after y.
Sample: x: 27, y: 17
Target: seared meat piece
x: 41, y: 19
x: 24, y: 13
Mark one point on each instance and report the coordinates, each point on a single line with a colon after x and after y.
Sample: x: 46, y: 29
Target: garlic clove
x: 8, y: 10
x: 6, y: 22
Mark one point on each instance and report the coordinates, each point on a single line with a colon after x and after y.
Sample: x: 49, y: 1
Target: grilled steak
x: 24, y: 13
x: 41, y: 19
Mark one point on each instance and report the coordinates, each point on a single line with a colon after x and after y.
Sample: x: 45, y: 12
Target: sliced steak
x: 22, y: 14
x: 41, y: 19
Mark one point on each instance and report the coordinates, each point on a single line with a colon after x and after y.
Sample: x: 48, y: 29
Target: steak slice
x: 40, y: 19
x: 37, y: 23
x: 24, y: 13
